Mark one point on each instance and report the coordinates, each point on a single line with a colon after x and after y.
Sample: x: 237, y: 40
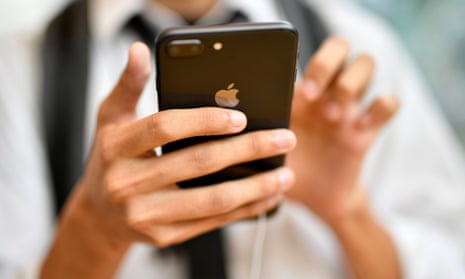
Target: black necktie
x: 65, y: 64
x: 205, y: 253
x: 65, y: 74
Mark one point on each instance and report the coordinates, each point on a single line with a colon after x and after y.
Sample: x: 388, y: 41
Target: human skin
x: 334, y: 134
x: 128, y: 195
x: 107, y: 213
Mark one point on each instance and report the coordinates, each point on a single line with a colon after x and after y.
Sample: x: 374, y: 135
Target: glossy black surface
x: 260, y: 59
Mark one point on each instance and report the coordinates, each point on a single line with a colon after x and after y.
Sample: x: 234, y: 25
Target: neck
x: 190, y: 10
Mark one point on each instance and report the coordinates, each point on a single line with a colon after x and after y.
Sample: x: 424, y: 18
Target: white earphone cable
x: 257, y: 253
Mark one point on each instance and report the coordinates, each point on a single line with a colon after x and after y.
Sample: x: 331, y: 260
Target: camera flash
x: 218, y: 46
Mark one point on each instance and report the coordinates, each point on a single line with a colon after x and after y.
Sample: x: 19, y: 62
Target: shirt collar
x: 164, y: 17
x: 107, y: 17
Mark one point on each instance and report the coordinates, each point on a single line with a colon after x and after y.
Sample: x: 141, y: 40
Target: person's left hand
x: 333, y: 131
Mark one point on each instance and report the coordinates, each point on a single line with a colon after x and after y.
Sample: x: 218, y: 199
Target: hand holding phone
x: 248, y: 67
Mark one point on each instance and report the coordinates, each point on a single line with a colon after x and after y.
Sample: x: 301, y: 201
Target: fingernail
x: 310, y: 89
x: 284, y: 139
x: 237, y: 119
x: 285, y: 179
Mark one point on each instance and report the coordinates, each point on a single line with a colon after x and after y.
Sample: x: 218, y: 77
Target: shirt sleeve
x: 25, y: 206
x: 416, y: 175
x: 415, y: 172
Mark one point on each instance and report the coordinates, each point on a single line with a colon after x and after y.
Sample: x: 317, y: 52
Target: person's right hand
x: 133, y: 193
x: 335, y: 131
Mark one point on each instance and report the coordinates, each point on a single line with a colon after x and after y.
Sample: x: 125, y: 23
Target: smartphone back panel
x: 249, y: 67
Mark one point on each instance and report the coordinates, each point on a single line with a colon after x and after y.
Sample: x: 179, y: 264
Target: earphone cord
x: 257, y: 253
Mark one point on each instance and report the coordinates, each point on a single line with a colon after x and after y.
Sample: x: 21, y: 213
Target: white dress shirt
x: 415, y: 172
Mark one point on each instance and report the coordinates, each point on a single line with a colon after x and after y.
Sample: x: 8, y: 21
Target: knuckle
x: 135, y: 215
x: 118, y: 186
x: 136, y: 223
x: 203, y: 158
x: 132, y: 221
x: 219, y: 201
x: 112, y: 186
x: 267, y: 185
x: 157, y: 126
x: 106, y: 142
x: 258, y: 144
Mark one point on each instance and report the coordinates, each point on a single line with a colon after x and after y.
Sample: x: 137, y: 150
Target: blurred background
x: 433, y: 31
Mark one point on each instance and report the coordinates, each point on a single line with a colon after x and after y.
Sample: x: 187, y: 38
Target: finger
x: 129, y: 179
x: 322, y: 69
x: 167, y: 126
x: 183, y: 205
x: 166, y: 235
x: 123, y: 99
x: 379, y: 113
x: 353, y: 81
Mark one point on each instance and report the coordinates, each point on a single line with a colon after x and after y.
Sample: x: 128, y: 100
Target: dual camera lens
x: 189, y: 48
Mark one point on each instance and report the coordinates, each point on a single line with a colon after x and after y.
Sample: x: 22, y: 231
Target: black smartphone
x: 249, y: 67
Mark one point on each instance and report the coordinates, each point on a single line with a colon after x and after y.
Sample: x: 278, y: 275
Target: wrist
x: 363, y: 240
x: 83, y: 215
x: 83, y: 247
x: 345, y: 209
x: 355, y: 218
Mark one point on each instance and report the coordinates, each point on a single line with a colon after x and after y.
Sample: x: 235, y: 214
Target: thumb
x: 122, y: 101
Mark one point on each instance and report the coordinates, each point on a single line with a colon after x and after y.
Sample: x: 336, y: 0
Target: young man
x: 386, y: 213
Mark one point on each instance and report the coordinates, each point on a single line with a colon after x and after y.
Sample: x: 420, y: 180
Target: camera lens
x: 174, y: 51
x: 185, y: 48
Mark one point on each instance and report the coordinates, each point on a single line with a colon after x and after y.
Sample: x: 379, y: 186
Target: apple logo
x: 227, y: 97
